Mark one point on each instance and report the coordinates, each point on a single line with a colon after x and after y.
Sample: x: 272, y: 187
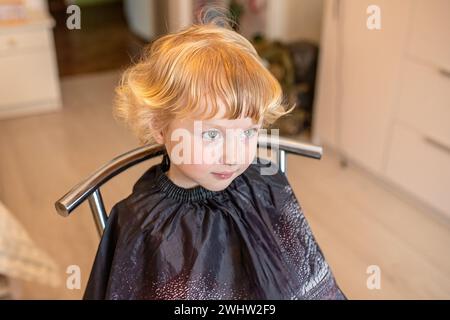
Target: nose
x: 229, y: 157
x: 233, y: 152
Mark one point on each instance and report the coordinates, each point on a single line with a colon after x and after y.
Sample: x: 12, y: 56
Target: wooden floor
x: 357, y: 220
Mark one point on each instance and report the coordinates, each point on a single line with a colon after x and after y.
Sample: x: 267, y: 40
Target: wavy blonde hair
x: 188, y: 73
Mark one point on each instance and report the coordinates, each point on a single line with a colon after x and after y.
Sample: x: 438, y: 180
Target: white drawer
x: 27, y: 78
x: 420, y: 166
x: 424, y: 101
x: 429, y: 37
x: 16, y: 41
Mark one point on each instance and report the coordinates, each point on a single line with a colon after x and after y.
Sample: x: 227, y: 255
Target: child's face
x: 210, y: 153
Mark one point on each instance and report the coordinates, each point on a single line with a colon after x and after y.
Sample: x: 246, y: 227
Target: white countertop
x: 35, y: 19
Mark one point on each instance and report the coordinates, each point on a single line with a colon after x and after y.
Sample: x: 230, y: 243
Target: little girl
x: 206, y: 223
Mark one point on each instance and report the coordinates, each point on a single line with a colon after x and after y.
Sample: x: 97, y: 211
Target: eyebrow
x: 222, y: 127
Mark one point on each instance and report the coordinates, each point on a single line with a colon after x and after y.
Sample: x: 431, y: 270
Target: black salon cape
x: 249, y: 241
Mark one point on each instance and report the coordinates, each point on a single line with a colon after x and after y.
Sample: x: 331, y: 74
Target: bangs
x: 225, y: 83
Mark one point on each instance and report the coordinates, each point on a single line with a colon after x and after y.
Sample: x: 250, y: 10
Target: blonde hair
x: 190, y: 72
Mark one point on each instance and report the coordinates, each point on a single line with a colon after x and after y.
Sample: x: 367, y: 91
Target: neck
x: 180, y: 179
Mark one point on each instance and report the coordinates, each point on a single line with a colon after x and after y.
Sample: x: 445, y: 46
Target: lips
x: 223, y: 175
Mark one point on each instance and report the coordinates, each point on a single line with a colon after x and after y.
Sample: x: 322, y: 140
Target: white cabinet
x: 424, y: 100
x: 383, y: 97
x: 29, y: 80
x: 429, y: 35
x: 370, y: 64
x: 420, y: 165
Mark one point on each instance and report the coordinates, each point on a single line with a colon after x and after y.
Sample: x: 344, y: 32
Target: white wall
x: 180, y: 14
x: 291, y: 20
x: 140, y: 17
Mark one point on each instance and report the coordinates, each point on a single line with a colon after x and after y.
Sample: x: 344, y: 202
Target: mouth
x: 223, y: 175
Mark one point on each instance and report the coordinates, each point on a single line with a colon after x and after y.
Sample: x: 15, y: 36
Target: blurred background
x: 371, y: 80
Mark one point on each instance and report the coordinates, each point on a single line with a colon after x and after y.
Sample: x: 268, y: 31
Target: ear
x: 159, y: 137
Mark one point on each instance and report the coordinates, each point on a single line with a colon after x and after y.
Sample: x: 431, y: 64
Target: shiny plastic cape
x: 248, y: 241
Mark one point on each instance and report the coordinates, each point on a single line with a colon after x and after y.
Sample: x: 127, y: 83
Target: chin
x: 218, y: 186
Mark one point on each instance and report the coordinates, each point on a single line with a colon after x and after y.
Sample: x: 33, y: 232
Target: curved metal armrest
x: 72, y: 199
x: 291, y: 146
x: 90, y: 187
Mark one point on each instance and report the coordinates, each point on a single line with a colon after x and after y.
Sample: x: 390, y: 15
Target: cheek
x: 242, y: 151
x: 250, y: 149
x: 195, y: 170
x: 212, y: 152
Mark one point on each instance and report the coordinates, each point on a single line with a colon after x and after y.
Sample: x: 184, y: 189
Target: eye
x: 250, y: 132
x: 211, y: 135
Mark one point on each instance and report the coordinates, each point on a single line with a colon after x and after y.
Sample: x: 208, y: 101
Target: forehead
x: 219, y: 119
x: 191, y: 122
x: 208, y: 114
x: 243, y: 122
x: 224, y: 124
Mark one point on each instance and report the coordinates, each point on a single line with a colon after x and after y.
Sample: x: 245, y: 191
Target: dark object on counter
x: 295, y: 67
x: 305, y: 58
